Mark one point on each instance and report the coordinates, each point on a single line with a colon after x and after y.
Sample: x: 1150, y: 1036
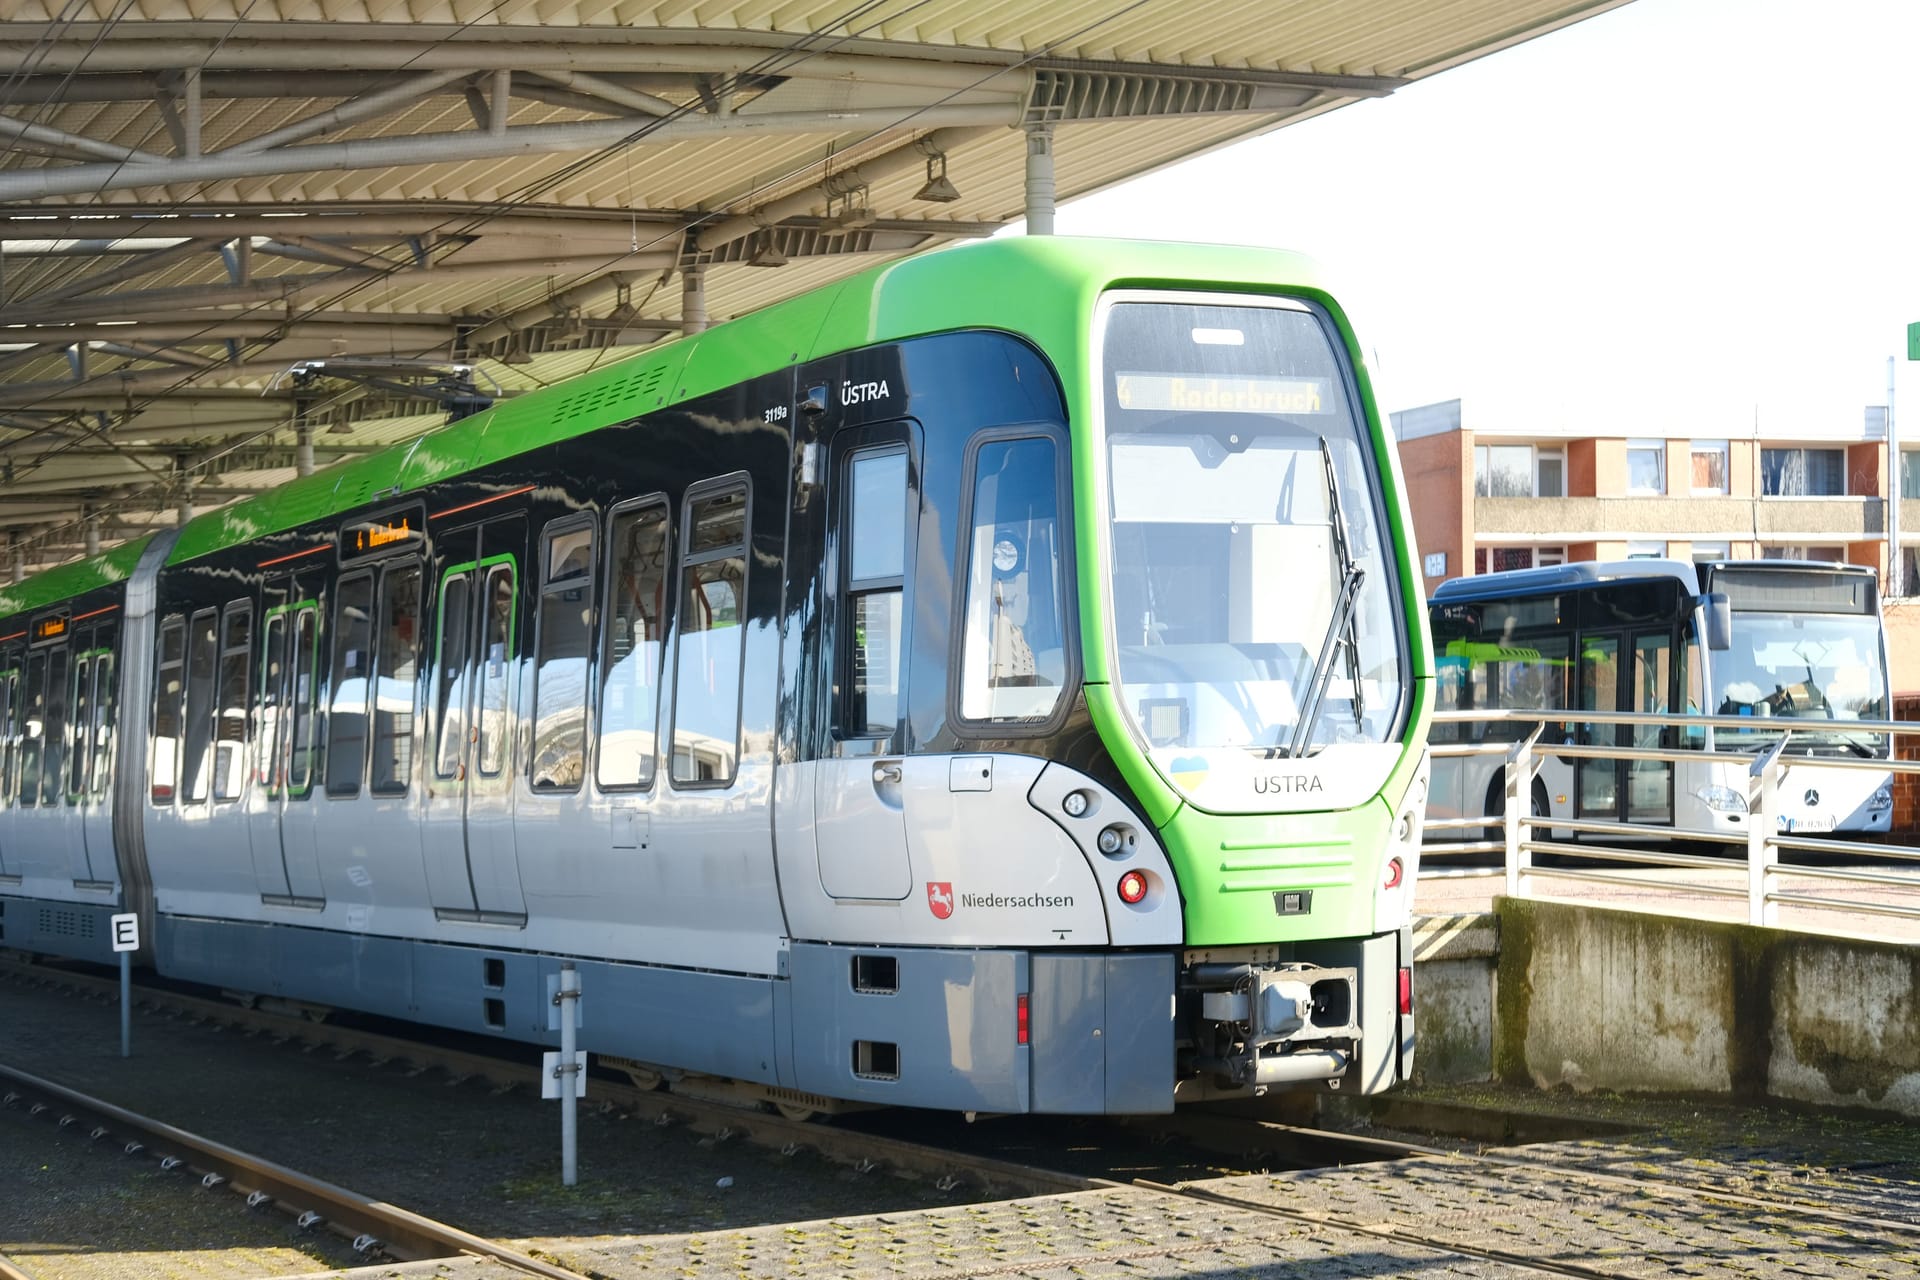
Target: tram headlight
x: 1113, y: 840
x: 1722, y: 799
x: 1076, y: 803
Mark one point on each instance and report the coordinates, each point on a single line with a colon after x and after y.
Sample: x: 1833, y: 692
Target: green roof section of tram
x: 69, y: 580
x: 1056, y: 278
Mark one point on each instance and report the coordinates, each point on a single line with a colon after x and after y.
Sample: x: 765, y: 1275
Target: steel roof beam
x: 217, y: 328
x: 439, y: 148
x: 333, y: 46
x: 150, y: 261
x: 169, y: 302
x: 31, y: 223
x: 48, y: 136
x: 351, y: 112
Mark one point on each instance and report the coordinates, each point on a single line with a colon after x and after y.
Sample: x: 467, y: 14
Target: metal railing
x: 1765, y: 889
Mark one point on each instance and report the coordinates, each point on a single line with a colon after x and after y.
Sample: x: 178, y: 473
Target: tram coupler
x: 1263, y: 1024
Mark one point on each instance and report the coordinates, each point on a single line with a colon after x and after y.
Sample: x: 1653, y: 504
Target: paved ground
x: 1699, y: 1191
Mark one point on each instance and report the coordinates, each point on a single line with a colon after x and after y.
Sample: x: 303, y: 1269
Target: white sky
x: 1680, y: 214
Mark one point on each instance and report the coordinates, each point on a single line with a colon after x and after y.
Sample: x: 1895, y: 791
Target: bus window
x: 169, y: 685
x: 630, y: 667
x: 710, y: 639
x: 560, y: 666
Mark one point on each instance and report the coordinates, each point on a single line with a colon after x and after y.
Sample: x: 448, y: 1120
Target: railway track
x: 377, y: 1231
x: 723, y: 1121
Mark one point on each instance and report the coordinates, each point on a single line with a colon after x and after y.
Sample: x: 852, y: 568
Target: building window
x: 1909, y: 475
x: 1803, y: 473
x: 1550, y: 473
x: 1709, y: 466
x: 1705, y: 551
x: 1819, y: 555
x: 1646, y: 550
x: 1545, y: 556
x: 1502, y: 559
x: 1646, y: 466
x: 1503, y: 471
x: 1909, y: 570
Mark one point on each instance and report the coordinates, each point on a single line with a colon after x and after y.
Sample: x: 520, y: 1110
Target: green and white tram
x: 994, y: 682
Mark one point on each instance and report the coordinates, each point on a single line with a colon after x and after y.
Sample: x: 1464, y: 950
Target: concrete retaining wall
x: 1453, y: 993
x: 1596, y: 999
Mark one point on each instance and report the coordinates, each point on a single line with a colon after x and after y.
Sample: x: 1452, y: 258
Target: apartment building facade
x: 1486, y: 500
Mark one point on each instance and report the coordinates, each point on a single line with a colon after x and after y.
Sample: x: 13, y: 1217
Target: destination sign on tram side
x: 381, y: 535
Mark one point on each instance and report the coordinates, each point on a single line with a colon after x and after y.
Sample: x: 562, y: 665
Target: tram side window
x: 352, y: 663
x: 230, y: 720
x: 9, y: 730
x: 105, y: 723
x: 169, y: 684
x: 709, y: 644
x: 202, y: 656
x: 33, y: 728
x: 55, y: 747
x: 1013, y: 663
x: 272, y: 728
x: 496, y: 657
x: 875, y: 535
x: 560, y: 666
x: 80, y: 756
x: 395, y: 675
x: 630, y: 668
x: 304, y: 694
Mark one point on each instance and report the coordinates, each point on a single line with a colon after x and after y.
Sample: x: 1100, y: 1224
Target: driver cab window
x: 1013, y: 664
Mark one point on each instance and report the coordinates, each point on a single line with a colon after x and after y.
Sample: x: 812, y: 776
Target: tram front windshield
x: 1232, y: 552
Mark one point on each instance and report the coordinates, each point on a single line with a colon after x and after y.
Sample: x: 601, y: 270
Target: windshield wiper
x: 1340, y: 628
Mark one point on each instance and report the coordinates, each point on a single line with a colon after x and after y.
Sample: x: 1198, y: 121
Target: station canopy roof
x: 225, y: 224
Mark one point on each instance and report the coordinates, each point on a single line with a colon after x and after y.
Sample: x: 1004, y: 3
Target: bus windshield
x: 1807, y: 667
x: 1244, y: 517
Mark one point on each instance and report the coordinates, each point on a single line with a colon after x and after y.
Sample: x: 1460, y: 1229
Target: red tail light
x: 1021, y: 1024
x: 1133, y: 887
x: 1395, y: 870
x: 1406, y: 991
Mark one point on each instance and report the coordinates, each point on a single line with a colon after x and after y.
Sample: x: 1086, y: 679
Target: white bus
x: 1763, y: 640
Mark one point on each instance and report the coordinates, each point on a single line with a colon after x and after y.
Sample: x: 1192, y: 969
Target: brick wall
x: 1906, y: 786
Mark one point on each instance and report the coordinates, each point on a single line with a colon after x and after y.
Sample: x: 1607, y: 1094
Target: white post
x: 1518, y: 819
x: 303, y: 451
x: 1040, y: 179
x: 1763, y: 786
x: 569, y: 998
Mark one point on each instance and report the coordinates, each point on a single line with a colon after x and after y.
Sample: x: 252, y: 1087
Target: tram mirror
x: 1719, y: 620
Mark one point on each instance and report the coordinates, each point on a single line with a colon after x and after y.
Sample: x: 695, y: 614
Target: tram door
x: 1639, y: 791
x: 279, y: 814
x: 89, y: 755
x: 472, y: 867
x: 860, y: 821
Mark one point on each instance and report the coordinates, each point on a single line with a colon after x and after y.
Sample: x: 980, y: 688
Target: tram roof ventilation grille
x: 597, y: 401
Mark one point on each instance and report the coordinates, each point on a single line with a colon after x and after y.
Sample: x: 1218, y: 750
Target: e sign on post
x: 126, y: 932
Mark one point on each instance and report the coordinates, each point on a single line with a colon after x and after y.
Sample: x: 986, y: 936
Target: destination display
x: 1201, y: 393
x: 381, y: 535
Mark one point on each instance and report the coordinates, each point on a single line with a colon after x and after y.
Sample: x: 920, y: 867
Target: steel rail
x: 720, y: 1119
x: 400, y: 1232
